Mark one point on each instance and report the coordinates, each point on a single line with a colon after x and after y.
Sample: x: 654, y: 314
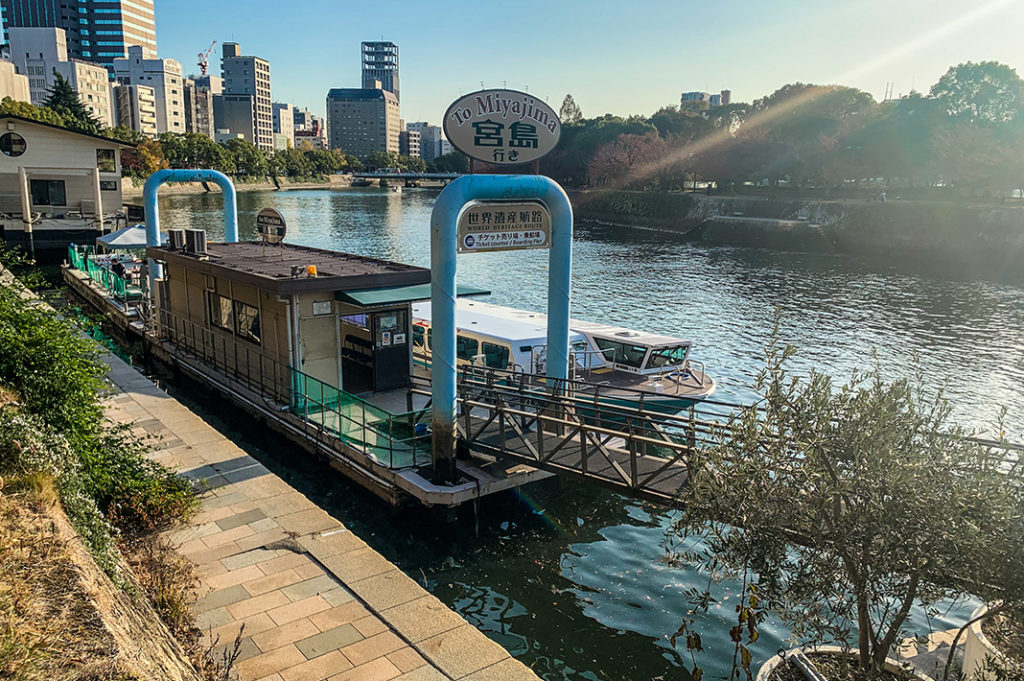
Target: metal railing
x: 122, y: 289
x: 342, y: 421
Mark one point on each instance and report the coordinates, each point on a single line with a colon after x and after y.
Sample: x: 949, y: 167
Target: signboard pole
x: 443, y: 245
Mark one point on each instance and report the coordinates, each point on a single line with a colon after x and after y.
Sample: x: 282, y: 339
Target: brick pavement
x: 317, y: 602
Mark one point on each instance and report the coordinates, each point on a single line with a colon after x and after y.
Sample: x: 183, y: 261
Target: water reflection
x: 570, y: 577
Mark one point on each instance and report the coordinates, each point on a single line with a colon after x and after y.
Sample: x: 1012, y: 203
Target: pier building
x: 56, y: 185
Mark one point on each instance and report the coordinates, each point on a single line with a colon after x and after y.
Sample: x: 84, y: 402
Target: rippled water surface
x: 567, y: 577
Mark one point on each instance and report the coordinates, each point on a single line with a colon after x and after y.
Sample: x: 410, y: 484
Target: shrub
x: 852, y: 505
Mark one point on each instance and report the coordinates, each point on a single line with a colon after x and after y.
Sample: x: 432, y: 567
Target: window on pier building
x: 220, y: 312
x: 105, y: 160
x: 48, y: 193
x: 247, y: 322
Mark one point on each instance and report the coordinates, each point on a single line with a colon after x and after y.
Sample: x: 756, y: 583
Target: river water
x: 567, y: 577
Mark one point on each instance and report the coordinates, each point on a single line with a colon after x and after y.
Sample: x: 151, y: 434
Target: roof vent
x: 195, y: 241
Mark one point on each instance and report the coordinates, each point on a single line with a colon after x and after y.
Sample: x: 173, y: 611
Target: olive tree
x: 844, y: 507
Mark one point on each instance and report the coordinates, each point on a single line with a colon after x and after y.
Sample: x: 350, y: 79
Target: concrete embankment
x: 132, y: 191
x: 987, y: 235
x: 315, y: 601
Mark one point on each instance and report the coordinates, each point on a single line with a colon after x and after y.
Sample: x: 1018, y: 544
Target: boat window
x: 430, y: 339
x: 626, y: 354
x: 247, y: 321
x: 466, y: 348
x: 667, y: 357
x: 418, y: 335
x: 496, y: 356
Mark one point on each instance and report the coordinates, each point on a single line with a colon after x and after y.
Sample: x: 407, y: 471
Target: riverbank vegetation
x: 841, y: 509
x: 964, y: 137
x: 58, y: 451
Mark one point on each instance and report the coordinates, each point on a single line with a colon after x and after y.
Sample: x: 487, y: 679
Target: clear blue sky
x: 613, y: 55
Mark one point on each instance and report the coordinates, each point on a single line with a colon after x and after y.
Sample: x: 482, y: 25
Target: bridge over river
x: 409, y: 179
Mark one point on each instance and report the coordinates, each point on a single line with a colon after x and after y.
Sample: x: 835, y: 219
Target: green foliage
x: 58, y: 429
x: 852, y: 504
x: 987, y: 92
x: 570, y: 113
x: 63, y: 100
x: 35, y: 113
x: 452, y: 162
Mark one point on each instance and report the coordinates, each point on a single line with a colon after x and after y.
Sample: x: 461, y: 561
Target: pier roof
x: 271, y: 267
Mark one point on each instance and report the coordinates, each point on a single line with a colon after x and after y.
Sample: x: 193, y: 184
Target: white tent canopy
x: 127, y: 238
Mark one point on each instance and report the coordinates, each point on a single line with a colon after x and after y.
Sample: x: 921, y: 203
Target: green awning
x: 394, y: 295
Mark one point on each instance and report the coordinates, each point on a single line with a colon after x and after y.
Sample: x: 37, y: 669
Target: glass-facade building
x: 99, y: 31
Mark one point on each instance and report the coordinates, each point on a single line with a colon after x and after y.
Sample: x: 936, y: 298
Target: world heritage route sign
x: 487, y: 226
x: 270, y: 224
x: 502, y: 127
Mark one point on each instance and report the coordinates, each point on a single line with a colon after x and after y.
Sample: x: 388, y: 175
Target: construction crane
x: 204, y: 58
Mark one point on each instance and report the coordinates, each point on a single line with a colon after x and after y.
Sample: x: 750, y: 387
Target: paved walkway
x: 317, y: 602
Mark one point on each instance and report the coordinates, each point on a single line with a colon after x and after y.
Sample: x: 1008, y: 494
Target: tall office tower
x: 164, y: 76
x: 362, y: 121
x: 380, y: 63
x: 97, y: 30
x: 247, y: 78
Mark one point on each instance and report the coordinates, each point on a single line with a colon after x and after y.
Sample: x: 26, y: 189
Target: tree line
x: 236, y: 157
x: 967, y: 133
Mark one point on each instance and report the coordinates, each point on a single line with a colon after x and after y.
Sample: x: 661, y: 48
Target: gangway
x: 569, y: 428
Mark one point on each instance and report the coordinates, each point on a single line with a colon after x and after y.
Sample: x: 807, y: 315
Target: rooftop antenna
x: 482, y: 85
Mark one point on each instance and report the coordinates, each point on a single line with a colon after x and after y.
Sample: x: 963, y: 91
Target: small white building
x: 57, y: 186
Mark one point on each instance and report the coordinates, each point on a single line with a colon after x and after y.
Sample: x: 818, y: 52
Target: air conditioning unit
x: 176, y: 239
x: 88, y: 207
x: 195, y: 241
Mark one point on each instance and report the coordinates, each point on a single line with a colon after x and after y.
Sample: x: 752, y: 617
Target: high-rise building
x: 361, y: 121
x: 40, y: 53
x: 409, y: 143
x: 431, y: 138
x: 248, y: 76
x: 380, y: 63
x: 199, y: 94
x: 284, y: 121
x: 98, y: 31
x: 164, y: 76
x: 136, y: 108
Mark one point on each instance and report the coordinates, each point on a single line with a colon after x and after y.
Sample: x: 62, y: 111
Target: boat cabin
x: 507, y: 338
x: 260, y: 311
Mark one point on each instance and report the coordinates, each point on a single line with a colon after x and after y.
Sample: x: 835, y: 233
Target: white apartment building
x: 247, y: 75
x: 432, y: 141
x: 164, y: 77
x: 38, y: 52
x: 13, y: 84
x: 136, y: 108
x: 284, y: 121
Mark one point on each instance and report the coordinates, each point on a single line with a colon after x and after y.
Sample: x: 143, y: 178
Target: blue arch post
x: 149, y: 198
x: 443, y: 237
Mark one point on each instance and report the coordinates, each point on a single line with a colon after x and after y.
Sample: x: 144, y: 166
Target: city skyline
x: 610, y: 60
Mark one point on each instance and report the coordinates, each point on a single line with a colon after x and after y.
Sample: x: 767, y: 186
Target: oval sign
x: 270, y: 224
x: 502, y: 127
